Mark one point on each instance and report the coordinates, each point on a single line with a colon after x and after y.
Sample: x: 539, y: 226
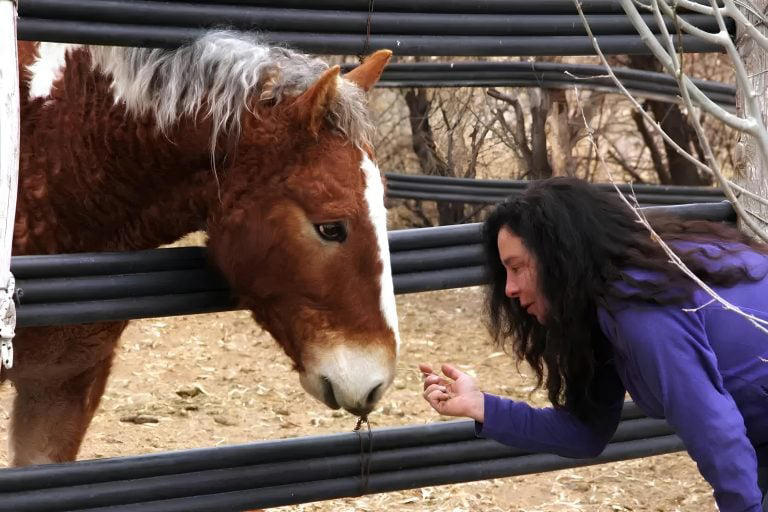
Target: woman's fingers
x: 430, y: 377
x: 436, y: 398
x: 451, y: 371
x: 434, y: 387
x: 425, y: 368
x: 435, y: 379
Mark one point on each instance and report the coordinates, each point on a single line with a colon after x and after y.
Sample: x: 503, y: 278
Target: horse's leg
x: 49, y: 419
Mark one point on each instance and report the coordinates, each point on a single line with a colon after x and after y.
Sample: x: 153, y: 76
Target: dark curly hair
x: 583, y: 239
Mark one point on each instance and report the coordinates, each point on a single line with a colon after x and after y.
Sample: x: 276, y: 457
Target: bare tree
x: 545, y: 138
x: 751, y: 122
x: 532, y: 151
x: 674, y: 170
x: 462, y: 144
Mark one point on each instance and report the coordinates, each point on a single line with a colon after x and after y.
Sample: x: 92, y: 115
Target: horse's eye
x: 332, y: 231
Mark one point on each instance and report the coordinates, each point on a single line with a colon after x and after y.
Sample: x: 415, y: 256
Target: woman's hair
x: 583, y: 239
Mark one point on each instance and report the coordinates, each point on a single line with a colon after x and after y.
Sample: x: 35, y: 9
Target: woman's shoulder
x: 639, y: 327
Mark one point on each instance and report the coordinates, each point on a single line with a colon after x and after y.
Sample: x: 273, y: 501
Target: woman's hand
x: 456, y: 395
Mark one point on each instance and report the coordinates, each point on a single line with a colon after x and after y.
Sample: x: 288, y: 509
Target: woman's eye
x: 332, y: 231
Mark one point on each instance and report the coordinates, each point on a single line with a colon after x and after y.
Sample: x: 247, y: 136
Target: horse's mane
x: 217, y: 75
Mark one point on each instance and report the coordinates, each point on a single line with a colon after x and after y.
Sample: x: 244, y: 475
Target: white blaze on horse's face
x: 354, y: 374
x: 374, y: 197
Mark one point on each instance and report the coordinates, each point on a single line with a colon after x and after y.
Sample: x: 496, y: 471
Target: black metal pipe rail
x: 105, y: 263
x: 522, y: 184
x: 97, y: 288
x: 244, y: 492
x: 140, y: 12
x: 441, y: 188
x: 124, y: 308
x: 272, y: 473
x: 668, y: 94
x: 266, y: 452
x: 470, y: 198
x: 471, y: 194
x: 105, y: 287
x: 541, y: 69
x: 394, y: 74
x: 91, y: 290
x: 506, y: 191
x: 453, y: 6
x: 399, y: 480
x: 155, y: 36
x: 272, y: 470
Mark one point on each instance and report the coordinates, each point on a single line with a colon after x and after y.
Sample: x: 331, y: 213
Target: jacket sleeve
x: 671, y: 352
x: 554, y: 430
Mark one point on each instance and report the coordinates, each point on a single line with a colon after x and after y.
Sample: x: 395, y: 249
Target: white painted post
x: 9, y: 170
x: 751, y: 165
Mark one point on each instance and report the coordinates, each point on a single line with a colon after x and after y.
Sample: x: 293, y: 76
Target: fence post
x: 9, y: 170
x: 751, y: 169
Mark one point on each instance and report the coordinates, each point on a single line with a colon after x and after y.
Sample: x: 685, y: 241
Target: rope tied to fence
x: 367, y: 40
x: 365, y: 458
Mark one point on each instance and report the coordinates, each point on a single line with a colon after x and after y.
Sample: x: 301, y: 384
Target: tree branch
x: 647, y: 117
x: 658, y: 163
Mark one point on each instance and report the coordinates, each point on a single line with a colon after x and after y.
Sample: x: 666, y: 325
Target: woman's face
x: 522, y: 280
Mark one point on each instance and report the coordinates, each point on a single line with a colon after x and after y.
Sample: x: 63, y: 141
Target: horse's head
x: 300, y: 233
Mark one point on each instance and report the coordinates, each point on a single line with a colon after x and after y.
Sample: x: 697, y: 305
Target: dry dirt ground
x: 245, y: 391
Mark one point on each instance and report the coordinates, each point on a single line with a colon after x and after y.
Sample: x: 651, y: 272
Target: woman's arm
x: 556, y: 430
x: 518, y: 424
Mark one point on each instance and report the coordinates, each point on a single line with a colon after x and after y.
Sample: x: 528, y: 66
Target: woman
x: 581, y: 292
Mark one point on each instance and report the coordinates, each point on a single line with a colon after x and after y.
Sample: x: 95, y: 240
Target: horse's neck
x: 93, y: 178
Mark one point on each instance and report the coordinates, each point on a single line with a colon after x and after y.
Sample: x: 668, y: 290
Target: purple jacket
x: 704, y: 369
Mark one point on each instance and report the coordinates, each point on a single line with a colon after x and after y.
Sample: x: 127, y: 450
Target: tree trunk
x: 562, y: 160
x: 674, y: 123
x: 679, y: 170
x: 431, y: 163
x: 540, y: 167
x: 751, y: 168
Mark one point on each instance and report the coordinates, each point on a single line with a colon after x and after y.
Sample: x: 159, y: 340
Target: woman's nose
x: 512, y: 290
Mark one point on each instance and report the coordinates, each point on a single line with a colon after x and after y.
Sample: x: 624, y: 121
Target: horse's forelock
x: 217, y: 76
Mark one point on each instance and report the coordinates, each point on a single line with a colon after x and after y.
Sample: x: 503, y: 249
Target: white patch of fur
x: 21, y: 453
x: 217, y: 75
x: 354, y: 370
x: 47, y: 68
x: 374, y: 196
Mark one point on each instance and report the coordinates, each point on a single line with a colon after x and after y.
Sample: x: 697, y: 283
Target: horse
x: 269, y: 150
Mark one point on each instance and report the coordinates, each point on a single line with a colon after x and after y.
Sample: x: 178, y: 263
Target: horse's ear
x: 314, y: 103
x: 368, y: 73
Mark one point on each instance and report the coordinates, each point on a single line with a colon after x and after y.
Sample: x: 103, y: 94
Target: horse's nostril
x: 373, y: 395
x: 328, y: 395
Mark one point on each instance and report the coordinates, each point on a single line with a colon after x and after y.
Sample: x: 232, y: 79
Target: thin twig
x: 674, y: 258
x: 664, y: 135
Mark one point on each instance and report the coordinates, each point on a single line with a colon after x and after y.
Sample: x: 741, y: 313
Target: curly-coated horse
x: 266, y: 149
